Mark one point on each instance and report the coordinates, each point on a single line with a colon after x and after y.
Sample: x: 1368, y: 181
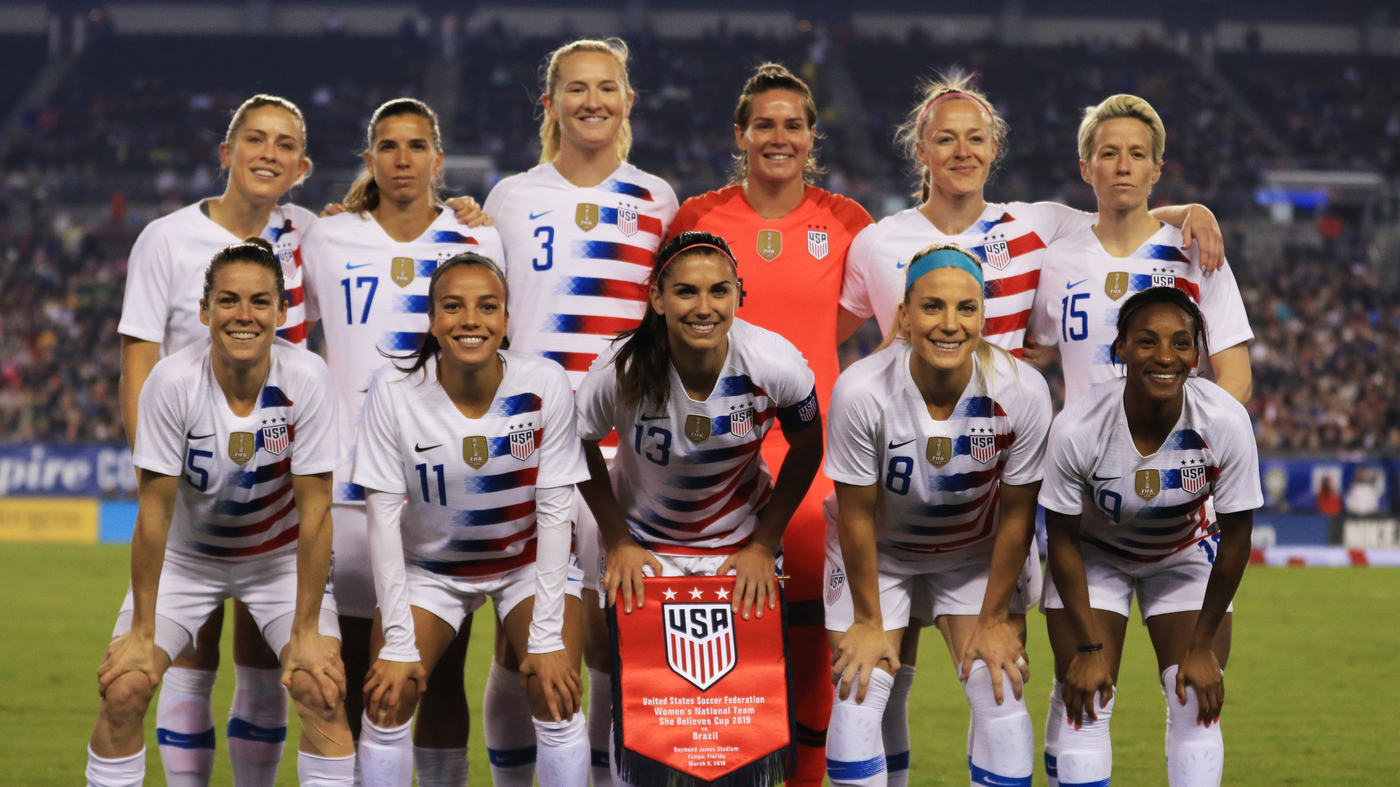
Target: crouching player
x: 936, y: 445
x: 235, y: 444
x: 482, y: 443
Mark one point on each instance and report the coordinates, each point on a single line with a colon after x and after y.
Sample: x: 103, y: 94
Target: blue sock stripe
x: 510, y: 758
x: 853, y: 771
x: 600, y: 758
x: 986, y: 777
x: 248, y: 731
x: 897, y: 762
x: 1051, y: 765
x: 185, y: 740
x: 1103, y: 783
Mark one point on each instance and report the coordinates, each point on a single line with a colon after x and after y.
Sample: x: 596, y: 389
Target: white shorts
x: 589, y: 544
x: 453, y: 599
x: 354, y: 578
x: 1176, y: 583
x: 191, y: 587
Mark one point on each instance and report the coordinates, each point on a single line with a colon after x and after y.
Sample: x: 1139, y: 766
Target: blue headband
x: 942, y: 258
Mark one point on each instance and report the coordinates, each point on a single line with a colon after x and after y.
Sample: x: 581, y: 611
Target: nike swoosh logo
x: 894, y: 445
x: 1072, y: 285
x: 350, y: 267
x: 420, y: 449
x: 1113, y: 478
x: 900, y: 265
x: 193, y: 436
x: 651, y: 418
x: 534, y: 216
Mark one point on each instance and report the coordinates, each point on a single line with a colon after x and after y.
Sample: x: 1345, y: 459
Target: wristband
x: 1091, y: 648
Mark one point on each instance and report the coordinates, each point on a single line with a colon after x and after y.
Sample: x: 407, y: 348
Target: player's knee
x: 310, y: 700
x: 127, y: 698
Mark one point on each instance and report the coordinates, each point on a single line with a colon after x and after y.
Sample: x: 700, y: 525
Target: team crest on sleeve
x: 1116, y: 285
x: 522, y: 443
x: 627, y: 220
x: 982, y: 444
x: 1193, y: 479
x: 818, y: 243
x: 401, y: 271
x: 996, y: 253
x: 586, y: 216
x: 276, y: 437
x: 939, y: 451
x: 1147, y: 484
x: 741, y: 422
x: 770, y: 244
x: 700, y: 642
x: 697, y: 428
x: 475, y: 451
x: 241, y: 447
x: 835, y: 584
x: 808, y: 409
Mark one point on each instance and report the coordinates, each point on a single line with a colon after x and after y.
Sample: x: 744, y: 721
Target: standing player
x: 936, y: 447
x: 264, y: 153
x: 494, y: 522
x: 792, y: 239
x: 955, y: 137
x: 580, y: 233
x: 392, y: 236
x: 1133, y: 468
x: 235, y: 444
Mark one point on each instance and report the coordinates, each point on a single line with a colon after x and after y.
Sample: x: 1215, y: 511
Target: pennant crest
x: 627, y: 220
x: 818, y: 244
x: 475, y: 451
x: 997, y: 254
x: 1163, y: 280
x: 697, y: 428
x: 700, y: 642
x: 401, y: 271
x: 939, y: 451
x: 983, y: 447
x: 741, y: 422
x: 276, y: 437
x: 1147, y: 484
x: 1193, y: 479
x: 1116, y: 285
x: 586, y: 216
x: 770, y: 244
x: 522, y: 443
x: 241, y: 447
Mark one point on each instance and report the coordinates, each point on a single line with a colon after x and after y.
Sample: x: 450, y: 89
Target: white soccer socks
x: 855, y: 750
x: 257, y: 726
x: 1195, y: 754
x: 1086, y: 754
x: 385, y: 755
x: 600, y: 725
x: 1001, y: 743
x: 316, y: 771
x: 441, y: 767
x: 185, y: 726
x: 895, y: 728
x: 120, y: 772
x: 509, y: 729
x: 563, y: 752
x: 1052, y: 734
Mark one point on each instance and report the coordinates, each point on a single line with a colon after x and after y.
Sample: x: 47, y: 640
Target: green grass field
x: 1312, y: 691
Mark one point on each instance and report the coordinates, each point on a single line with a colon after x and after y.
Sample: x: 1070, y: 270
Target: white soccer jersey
x: 349, y: 258
x: 165, y: 274
x: 939, y: 481
x: 1009, y: 237
x: 1084, y: 286
x: 470, y: 483
x: 578, y: 259
x: 1147, y: 507
x: 692, y: 479
x: 235, y: 500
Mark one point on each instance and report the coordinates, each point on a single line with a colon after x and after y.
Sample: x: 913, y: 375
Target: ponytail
x: 363, y: 194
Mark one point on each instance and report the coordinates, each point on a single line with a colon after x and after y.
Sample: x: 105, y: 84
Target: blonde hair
x: 240, y: 117
x: 1121, y: 106
x: 363, y: 194
x: 615, y: 48
x: 775, y: 76
x: 909, y: 135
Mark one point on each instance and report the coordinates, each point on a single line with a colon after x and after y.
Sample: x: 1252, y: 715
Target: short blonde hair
x: 1121, y: 106
x: 615, y: 48
x: 910, y: 134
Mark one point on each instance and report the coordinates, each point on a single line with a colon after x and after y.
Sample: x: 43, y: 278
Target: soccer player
x: 264, y: 154
x: 936, y: 445
x: 1132, y: 468
x: 393, y: 234
x: 790, y: 238
x: 580, y: 231
x: 482, y: 442
x: 235, y: 445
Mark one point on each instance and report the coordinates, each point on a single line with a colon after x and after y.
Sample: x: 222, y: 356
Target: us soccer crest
x: 818, y: 243
x: 475, y: 451
x: 982, y: 447
x: 1116, y: 285
x: 1163, y: 280
x: 627, y: 220
x: 835, y: 584
x: 700, y: 642
x: 522, y: 443
x: 770, y: 244
x: 276, y: 437
x: 996, y: 253
x: 1147, y: 484
x: 401, y: 271
x: 241, y: 447
x: 939, y: 451
x: 741, y: 422
x: 586, y: 216
x: 1193, y: 479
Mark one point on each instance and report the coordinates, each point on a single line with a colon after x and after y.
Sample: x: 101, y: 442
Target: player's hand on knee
x: 755, y: 581
x: 558, y: 682
x: 127, y: 653
x: 624, y: 574
x: 999, y: 645
x: 319, y: 657
x: 389, y: 683
x: 1088, y: 675
x: 861, y: 651
x: 1200, y: 670
x: 467, y: 212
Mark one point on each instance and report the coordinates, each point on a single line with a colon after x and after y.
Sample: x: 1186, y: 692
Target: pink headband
x: 950, y: 95
x: 696, y: 246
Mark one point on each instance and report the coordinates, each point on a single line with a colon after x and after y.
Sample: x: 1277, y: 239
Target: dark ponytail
x: 254, y: 251
x: 430, y: 348
x: 643, y: 364
x: 1152, y: 295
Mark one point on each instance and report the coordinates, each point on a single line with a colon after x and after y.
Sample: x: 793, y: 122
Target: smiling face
x: 1159, y: 350
x: 778, y: 137
x: 958, y: 146
x: 267, y: 154
x: 942, y: 318
x: 591, y: 100
x: 468, y: 315
x: 243, y: 312
x: 1120, y: 165
x: 697, y: 296
x: 404, y: 158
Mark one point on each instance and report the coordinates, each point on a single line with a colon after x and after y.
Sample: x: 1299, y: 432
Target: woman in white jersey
x: 264, y: 154
x: 581, y: 232
x: 367, y: 274
x: 482, y: 443
x: 234, y: 447
x: 935, y: 445
x: 1150, y: 488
